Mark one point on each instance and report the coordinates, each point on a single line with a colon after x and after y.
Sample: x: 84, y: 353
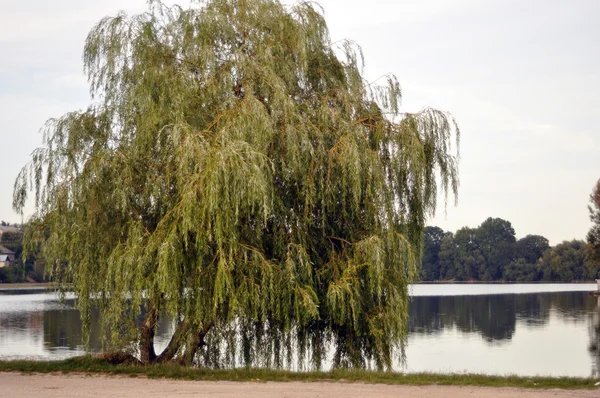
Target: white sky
x: 521, y: 77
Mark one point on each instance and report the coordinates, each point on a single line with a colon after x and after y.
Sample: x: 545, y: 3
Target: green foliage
x: 468, y: 259
x: 495, y: 238
x: 569, y: 261
x: 446, y: 257
x: 491, y: 253
x: 475, y: 253
x: 520, y: 270
x: 430, y: 264
x: 91, y: 365
x: 531, y: 248
x: 10, y: 275
x: 239, y: 174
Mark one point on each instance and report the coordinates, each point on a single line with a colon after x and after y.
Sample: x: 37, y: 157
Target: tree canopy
x: 593, y: 236
x: 432, y: 240
x: 238, y: 175
x: 490, y: 252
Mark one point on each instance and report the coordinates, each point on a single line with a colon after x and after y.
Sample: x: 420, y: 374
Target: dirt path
x: 16, y: 385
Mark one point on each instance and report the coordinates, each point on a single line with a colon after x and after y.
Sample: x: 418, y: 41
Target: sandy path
x: 49, y: 386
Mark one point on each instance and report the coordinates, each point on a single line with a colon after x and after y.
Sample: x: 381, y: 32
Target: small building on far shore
x: 7, y: 257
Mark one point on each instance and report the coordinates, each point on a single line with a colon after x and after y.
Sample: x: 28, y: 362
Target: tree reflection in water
x: 62, y: 329
x: 495, y: 316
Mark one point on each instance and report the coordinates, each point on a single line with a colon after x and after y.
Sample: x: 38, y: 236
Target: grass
x: 93, y: 365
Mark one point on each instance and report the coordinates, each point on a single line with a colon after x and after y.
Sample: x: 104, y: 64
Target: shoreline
x: 96, y: 366
x: 29, y: 286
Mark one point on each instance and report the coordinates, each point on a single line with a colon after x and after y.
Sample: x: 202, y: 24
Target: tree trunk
x: 147, y: 353
x: 197, y: 341
x: 175, y: 343
x: 184, y: 338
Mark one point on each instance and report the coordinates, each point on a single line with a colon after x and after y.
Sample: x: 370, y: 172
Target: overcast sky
x: 521, y: 77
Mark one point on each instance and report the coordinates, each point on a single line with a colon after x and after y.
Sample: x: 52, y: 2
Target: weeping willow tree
x: 238, y: 175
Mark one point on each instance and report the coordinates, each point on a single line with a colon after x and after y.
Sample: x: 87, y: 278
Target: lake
x: 537, y: 329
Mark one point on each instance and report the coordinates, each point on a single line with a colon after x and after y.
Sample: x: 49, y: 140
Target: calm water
x: 492, y: 329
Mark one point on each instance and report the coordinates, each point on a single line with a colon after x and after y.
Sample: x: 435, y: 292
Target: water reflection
x: 62, y: 328
x: 527, y: 334
x: 41, y: 326
x: 495, y: 316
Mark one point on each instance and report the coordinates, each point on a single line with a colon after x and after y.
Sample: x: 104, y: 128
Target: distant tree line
x: 491, y: 252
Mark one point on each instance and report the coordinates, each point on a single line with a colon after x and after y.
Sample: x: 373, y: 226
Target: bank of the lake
x: 28, y: 286
x: 90, y: 365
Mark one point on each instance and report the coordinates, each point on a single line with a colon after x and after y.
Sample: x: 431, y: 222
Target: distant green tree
x: 430, y: 265
x: 569, y: 261
x: 520, y: 270
x: 446, y: 257
x: 241, y: 175
x: 593, y: 236
x: 496, y: 241
x: 531, y: 248
x: 490, y: 252
x: 469, y: 263
x: 11, y: 275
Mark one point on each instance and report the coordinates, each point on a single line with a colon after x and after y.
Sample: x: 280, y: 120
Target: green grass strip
x: 92, y: 365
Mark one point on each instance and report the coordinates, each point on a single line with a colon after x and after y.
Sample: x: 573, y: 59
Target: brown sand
x: 49, y: 386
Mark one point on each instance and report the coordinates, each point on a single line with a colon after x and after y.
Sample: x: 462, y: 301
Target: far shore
x: 29, y: 286
x: 54, y: 285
